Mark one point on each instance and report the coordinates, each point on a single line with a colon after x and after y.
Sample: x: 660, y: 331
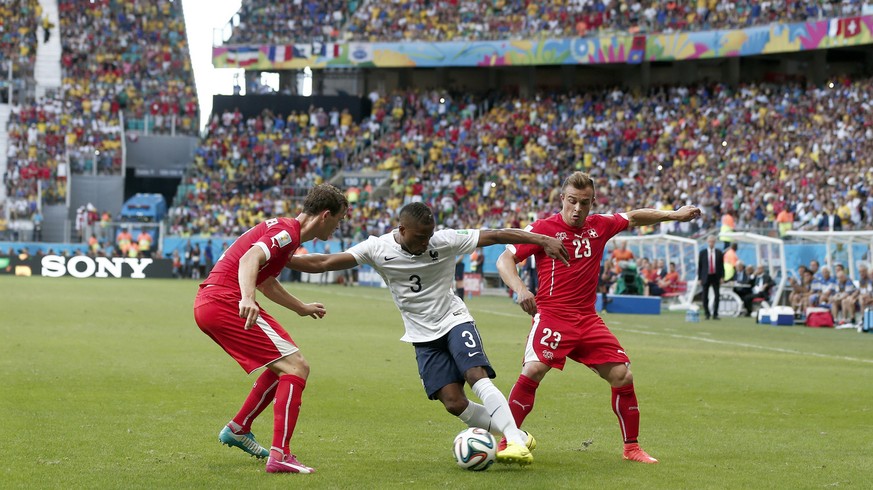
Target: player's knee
x: 623, y: 378
x: 303, y: 368
x: 455, y: 406
x: 475, y: 374
x: 294, y: 364
x: 535, y: 371
x: 617, y: 375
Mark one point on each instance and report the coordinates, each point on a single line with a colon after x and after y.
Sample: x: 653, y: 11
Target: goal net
x: 670, y: 248
x: 766, y: 251
x: 850, y: 248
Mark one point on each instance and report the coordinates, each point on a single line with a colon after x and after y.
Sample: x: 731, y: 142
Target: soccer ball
x: 475, y: 449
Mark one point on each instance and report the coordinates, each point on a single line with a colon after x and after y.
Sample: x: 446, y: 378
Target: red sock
x: 624, y: 404
x: 521, y: 398
x: 262, y: 394
x: 286, y: 409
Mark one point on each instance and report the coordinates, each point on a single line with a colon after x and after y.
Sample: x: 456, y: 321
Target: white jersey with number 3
x: 422, y: 285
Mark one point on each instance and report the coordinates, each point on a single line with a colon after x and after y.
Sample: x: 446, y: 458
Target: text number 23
x: 582, y: 243
x: 550, y: 338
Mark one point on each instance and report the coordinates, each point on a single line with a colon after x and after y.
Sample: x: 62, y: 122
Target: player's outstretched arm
x: 275, y: 292
x: 644, y: 217
x: 315, y: 263
x: 509, y: 273
x: 552, y: 246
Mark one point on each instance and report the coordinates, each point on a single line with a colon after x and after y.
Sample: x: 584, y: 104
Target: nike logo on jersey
x: 471, y: 354
x: 389, y: 258
x: 523, y: 406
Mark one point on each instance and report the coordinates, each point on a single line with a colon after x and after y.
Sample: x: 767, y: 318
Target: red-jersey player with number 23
x: 565, y: 323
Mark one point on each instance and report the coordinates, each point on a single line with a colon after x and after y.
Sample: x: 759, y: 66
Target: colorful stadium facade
x: 631, y: 49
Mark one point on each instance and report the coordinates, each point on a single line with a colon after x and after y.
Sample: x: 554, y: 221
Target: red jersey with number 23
x: 277, y: 237
x: 570, y: 289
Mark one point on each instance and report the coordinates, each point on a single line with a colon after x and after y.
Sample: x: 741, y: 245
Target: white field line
x: 521, y: 315
x: 751, y: 346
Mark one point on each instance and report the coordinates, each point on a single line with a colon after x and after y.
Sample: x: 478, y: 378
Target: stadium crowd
x: 449, y: 20
x: 135, y: 62
x: 19, y: 24
x: 142, y: 66
x: 263, y: 21
x: 248, y: 169
x: 753, y: 154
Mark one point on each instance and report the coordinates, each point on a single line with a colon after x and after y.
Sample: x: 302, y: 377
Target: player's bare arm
x: 506, y: 266
x: 275, y: 292
x: 551, y: 246
x: 644, y: 217
x: 249, y: 265
x: 315, y: 263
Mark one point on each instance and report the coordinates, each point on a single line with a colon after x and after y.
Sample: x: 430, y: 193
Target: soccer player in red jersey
x: 565, y: 323
x: 225, y: 309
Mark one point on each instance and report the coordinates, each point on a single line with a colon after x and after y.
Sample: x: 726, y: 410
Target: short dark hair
x: 325, y: 196
x: 419, y: 212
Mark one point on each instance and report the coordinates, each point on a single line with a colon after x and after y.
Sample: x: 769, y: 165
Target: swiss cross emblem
x: 561, y: 235
x: 592, y: 233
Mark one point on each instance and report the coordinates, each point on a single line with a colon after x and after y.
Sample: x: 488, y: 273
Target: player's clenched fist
x: 314, y: 310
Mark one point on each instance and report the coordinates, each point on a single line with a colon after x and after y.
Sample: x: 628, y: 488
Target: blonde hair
x: 578, y: 180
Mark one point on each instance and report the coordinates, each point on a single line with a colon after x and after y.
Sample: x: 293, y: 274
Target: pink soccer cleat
x: 288, y: 465
x: 633, y: 452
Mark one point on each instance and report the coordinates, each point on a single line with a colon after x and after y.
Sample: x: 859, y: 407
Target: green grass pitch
x: 110, y: 384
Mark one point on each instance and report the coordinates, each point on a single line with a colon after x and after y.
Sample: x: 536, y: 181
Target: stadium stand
x: 141, y: 69
x: 245, y: 170
x: 492, y: 160
x: 269, y: 22
x: 452, y: 20
x: 671, y: 146
x: 19, y: 24
x: 718, y: 146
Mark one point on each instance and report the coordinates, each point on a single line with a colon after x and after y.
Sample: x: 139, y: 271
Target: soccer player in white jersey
x: 418, y: 266
x: 565, y: 323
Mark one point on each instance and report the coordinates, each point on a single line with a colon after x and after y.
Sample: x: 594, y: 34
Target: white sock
x: 496, y: 405
x: 476, y: 415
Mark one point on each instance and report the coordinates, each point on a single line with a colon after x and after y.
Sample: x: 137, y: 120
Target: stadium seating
x: 142, y: 69
x: 265, y: 22
x: 246, y: 170
x: 714, y: 146
x: 19, y: 23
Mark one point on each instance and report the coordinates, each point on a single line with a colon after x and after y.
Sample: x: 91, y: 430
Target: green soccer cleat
x: 246, y: 442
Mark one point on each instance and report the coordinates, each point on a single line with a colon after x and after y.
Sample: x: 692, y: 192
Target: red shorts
x: 583, y: 338
x: 216, y: 311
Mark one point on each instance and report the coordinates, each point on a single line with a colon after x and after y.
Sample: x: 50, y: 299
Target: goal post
x: 670, y: 248
x: 768, y: 252
x: 850, y: 248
